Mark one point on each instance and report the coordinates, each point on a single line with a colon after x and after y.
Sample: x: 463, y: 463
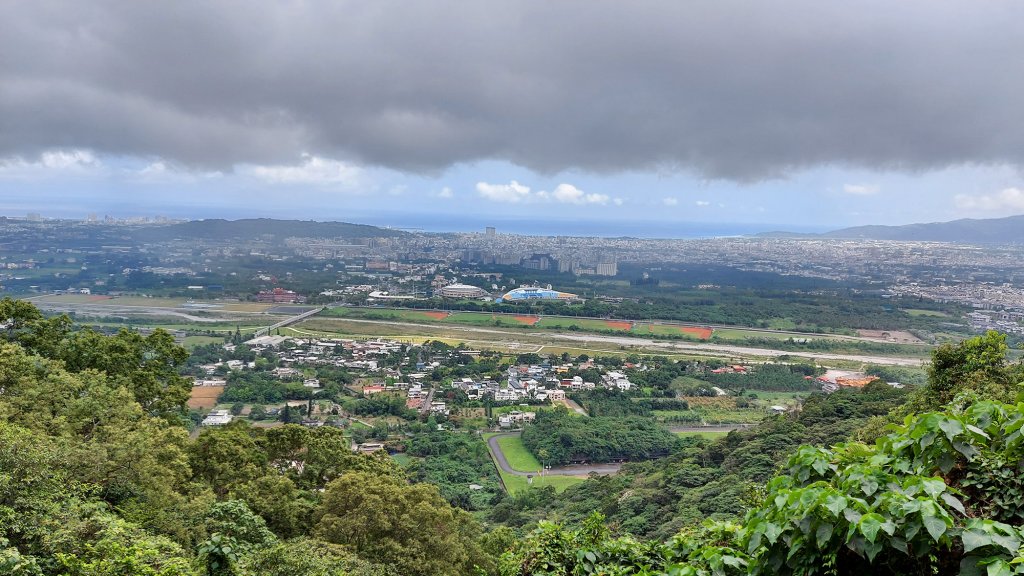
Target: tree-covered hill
x: 216, y: 229
x: 98, y: 476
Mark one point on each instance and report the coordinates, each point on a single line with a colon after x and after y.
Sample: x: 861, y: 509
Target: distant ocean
x: 606, y: 229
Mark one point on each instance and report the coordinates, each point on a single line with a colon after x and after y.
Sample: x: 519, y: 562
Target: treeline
x: 558, y: 438
x: 603, y: 402
x: 770, y: 377
x: 261, y: 388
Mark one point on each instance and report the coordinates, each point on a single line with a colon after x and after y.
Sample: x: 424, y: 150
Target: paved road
x: 714, y: 349
x: 572, y: 405
x: 577, y: 470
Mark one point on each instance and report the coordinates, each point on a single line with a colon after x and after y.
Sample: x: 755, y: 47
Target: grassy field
x: 193, y: 341
x: 515, y: 484
x: 693, y: 332
x: 702, y: 434
x: 932, y: 313
x: 740, y: 333
x: 517, y: 455
x: 402, y: 459
x: 521, y: 459
x: 477, y: 318
x: 581, y: 323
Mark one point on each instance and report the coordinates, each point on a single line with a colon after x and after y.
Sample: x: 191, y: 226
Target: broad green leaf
x: 823, y: 534
x: 936, y: 527
x: 835, y: 504
x: 870, y: 524
x: 953, y: 502
x: 974, y: 538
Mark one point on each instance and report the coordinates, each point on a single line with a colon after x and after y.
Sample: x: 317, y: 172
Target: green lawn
x: 709, y: 435
x: 517, y: 455
x: 917, y: 312
x: 478, y: 318
x: 193, y: 341
x: 516, y: 484
x: 581, y: 323
x: 739, y: 333
x: 402, y: 459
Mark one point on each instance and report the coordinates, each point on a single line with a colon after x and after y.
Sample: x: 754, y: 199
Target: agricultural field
x: 204, y: 397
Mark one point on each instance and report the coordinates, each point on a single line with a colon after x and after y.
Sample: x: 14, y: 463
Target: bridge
x: 289, y: 321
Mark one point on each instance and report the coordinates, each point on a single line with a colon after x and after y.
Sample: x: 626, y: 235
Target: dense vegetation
x: 557, y: 437
x: 98, y: 476
x: 938, y: 492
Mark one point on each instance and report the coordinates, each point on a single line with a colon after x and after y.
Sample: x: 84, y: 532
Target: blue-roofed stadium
x: 534, y: 293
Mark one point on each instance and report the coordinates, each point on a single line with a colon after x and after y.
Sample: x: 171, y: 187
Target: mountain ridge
x: 1006, y: 230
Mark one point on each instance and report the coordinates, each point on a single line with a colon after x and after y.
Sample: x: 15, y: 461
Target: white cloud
x: 670, y: 201
x: 314, y: 170
x: 617, y: 201
x: 446, y: 193
x: 513, y: 192
x: 702, y: 203
x: 861, y: 189
x: 569, y: 194
x: 1006, y: 200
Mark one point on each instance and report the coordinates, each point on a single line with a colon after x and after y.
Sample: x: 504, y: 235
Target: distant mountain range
x: 1009, y: 230
x: 215, y: 229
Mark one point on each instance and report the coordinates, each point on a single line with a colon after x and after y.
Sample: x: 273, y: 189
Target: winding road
x: 577, y: 470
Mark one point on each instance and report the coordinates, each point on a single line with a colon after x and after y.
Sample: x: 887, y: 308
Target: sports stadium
x: 535, y: 293
x: 462, y: 291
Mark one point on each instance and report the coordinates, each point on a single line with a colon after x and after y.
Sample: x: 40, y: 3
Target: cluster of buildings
x: 280, y: 296
x: 833, y: 380
x: 1010, y: 322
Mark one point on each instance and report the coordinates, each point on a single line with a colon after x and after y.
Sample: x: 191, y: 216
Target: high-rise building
x: 490, y: 231
x: 607, y: 269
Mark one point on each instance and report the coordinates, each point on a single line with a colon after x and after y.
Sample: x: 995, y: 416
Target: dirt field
x: 436, y: 315
x: 204, y: 397
x: 897, y: 336
x: 528, y: 320
x: 619, y: 325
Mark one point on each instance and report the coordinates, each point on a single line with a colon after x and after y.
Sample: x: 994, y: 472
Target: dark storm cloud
x: 740, y: 90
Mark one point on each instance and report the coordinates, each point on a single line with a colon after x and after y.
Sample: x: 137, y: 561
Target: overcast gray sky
x: 854, y: 111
